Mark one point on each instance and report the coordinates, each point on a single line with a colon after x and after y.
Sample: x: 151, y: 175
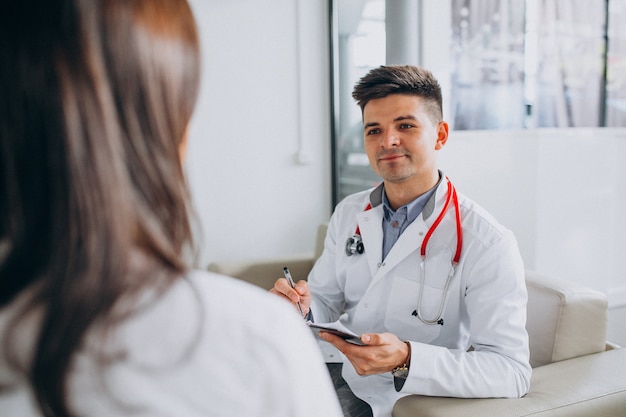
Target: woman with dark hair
x: 99, y: 312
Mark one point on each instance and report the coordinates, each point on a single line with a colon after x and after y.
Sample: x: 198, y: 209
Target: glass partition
x: 358, y: 43
x: 616, y: 65
x: 488, y: 57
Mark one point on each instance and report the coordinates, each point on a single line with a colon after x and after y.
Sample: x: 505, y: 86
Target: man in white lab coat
x: 431, y: 282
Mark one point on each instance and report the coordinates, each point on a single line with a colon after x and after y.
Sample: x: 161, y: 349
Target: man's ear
x: 442, y: 135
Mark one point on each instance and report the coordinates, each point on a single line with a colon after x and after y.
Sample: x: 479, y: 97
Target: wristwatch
x: 401, y: 371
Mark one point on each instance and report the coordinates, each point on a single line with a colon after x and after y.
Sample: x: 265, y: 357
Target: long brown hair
x: 95, y: 99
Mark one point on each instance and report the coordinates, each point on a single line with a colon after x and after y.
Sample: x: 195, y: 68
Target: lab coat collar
x: 372, y: 234
x: 430, y: 204
x: 376, y: 197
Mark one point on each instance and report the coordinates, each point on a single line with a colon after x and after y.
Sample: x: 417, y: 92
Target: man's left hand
x: 381, y: 352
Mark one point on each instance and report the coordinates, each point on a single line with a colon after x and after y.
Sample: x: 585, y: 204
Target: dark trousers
x: 351, y: 405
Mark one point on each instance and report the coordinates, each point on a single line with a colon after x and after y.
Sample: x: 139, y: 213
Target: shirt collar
x: 414, y: 208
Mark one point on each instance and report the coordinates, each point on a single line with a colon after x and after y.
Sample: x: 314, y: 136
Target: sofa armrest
x: 591, y: 385
x: 565, y: 319
x: 265, y: 272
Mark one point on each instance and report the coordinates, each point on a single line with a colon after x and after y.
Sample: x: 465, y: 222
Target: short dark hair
x: 400, y: 79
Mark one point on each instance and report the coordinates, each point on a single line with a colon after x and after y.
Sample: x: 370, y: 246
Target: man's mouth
x: 390, y: 157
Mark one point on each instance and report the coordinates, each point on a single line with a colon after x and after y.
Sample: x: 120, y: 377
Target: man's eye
x: 406, y: 126
x: 372, y: 132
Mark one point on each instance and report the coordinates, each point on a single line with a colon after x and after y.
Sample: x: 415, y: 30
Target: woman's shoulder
x: 223, y: 332
x: 211, y: 285
x: 203, y: 302
x: 204, y: 307
x: 223, y: 295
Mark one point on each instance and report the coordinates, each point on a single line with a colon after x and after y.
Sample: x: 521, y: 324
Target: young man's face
x: 401, y: 139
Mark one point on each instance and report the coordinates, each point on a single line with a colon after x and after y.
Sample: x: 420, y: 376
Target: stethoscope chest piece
x: 354, y: 244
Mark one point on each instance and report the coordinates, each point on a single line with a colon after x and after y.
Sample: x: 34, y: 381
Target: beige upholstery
x: 592, y: 385
x: 565, y: 320
x: 264, y: 272
x: 574, y: 374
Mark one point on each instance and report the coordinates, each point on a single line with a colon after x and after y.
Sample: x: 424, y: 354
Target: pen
x: 293, y: 285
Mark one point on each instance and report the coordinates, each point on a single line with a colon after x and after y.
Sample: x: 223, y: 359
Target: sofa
x: 576, y: 372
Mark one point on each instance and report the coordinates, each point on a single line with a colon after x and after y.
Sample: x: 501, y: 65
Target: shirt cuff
x: 309, y: 316
x: 398, y: 383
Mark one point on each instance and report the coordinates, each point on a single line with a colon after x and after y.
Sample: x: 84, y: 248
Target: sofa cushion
x: 592, y: 385
x: 565, y: 320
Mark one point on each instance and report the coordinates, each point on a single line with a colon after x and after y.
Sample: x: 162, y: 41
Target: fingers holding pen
x: 302, y: 288
x: 299, y: 294
x: 283, y: 288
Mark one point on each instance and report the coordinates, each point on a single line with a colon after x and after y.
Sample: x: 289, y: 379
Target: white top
x: 484, y: 306
x: 212, y: 346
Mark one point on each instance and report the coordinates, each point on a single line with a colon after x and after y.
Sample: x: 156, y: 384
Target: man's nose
x: 389, y: 139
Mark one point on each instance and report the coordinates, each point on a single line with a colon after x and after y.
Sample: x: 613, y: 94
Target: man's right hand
x: 301, y: 293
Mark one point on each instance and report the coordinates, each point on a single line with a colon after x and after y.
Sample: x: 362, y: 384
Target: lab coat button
x: 365, y: 305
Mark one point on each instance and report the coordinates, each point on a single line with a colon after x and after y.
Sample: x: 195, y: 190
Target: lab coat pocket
x: 401, y: 318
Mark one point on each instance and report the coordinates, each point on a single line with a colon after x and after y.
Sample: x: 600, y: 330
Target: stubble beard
x: 396, y: 171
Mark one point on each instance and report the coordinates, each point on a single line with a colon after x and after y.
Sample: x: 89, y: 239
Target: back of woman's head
x: 96, y: 98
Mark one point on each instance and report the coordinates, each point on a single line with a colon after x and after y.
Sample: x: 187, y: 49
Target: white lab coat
x: 485, y: 306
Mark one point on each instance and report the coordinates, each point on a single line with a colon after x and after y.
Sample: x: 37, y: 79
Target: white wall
x: 264, y: 102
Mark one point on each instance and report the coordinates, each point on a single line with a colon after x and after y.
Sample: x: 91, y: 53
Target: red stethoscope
x: 354, y: 245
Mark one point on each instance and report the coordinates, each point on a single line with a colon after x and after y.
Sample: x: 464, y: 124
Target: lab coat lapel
x: 370, y: 225
x: 411, y: 239
x: 408, y: 242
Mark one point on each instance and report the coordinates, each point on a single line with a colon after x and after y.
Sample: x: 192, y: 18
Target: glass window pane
x: 570, y: 63
x: 361, y: 47
x: 488, y: 58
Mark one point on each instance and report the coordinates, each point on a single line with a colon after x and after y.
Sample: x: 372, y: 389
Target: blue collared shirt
x: 396, y: 222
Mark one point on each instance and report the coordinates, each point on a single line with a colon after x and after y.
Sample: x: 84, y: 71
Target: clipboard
x: 336, y: 328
